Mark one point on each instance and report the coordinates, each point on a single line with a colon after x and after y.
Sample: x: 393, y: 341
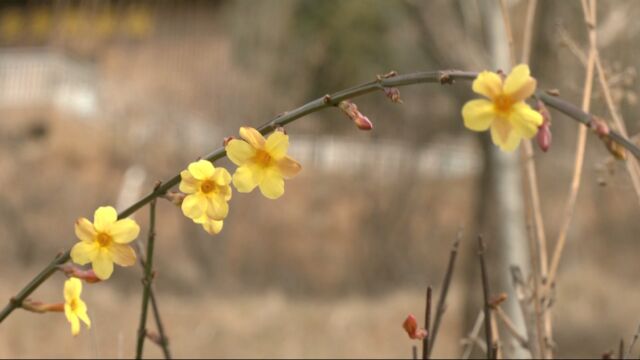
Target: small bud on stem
x: 351, y: 110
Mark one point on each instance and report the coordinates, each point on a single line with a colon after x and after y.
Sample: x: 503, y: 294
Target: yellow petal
x: 221, y: 176
x: 81, y: 312
x: 72, y: 289
x: 124, y: 231
x: 217, y: 208
x: 84, y: 230
x: 277, y: 145
x: 289, y: 167
x: 103, y: 264
x: 201, y: 169
x: 252, y: 136
x: 243, y: 180
x: 525, y: 120
x: 104, y: 217
x: 478, y: 114
x: 272, y: 186
x: 84, y: 252
x: 239, y: 152
x: 188, y: 184
x: 75, y: 324
x: 503, y: 135
x: 194, y: 205
x: 519, y: 85
x: 488, y: 84
x: 213, y: 227
x: 122, y: 255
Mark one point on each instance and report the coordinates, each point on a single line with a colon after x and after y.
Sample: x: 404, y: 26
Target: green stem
x: 148, y: 267
x: 441, y: 77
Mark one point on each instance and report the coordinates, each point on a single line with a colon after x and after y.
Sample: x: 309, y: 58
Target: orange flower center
x: 73, y: 304
x: 262, y: 158
x: 103, y: 239
x: 503, y: 103
x: 207, y: 186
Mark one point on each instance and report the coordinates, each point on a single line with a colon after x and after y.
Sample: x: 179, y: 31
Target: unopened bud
x: 543, y: 136
x: 175, y: 197
x: 393, y: 94
x: 410, y: 325
x: 351, y: 110
x: 71, y: 270
x: 498, y: 299
x: 601, y: 128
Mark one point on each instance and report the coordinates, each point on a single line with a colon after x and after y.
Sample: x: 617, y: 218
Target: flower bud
x: 351, y: 110
x: 40, y: 307
x: 410, y: 325
x: 543, y: 136
x: 393, y: 94
x: 71, y: 270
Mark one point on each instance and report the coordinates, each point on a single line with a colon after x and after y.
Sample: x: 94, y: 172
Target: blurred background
x: 99, y: 99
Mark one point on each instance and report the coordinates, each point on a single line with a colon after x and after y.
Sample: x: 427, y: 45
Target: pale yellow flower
x: 208, y: 191
x: 74, y: 308
x: 105, y: 241
x: 261, y: 162
x: 505, y: 111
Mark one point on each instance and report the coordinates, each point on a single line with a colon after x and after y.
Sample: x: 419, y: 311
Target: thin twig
x: 146, y: 282
x: 633, y: 343
x: 511, y: 327
x: 485, y: 291
x: 427, y: 324
x: 497, y: 344
x: 164, y: 340
x: 621, y: 350
x: 440, y: 77
x: 414, y: 352
x: 441, y: 307
x: 473, y: 334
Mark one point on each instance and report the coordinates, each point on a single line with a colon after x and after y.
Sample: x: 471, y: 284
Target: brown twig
x: 633, y: 343
x: 511, y: 327
x: 473, y: 336
x: 414, y: 352
x: 485, y: 291
x: 441, y: 307
x: 427, y: 324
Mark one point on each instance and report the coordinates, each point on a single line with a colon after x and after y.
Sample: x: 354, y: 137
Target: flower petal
x: 221, y: 176
x: 81, y: 312
x: 277, y: 145
x: 239, y: 152
x: 525, y: 120
x: 504, y: 135
x: 201, y: 169
x: 213, y: 227
x: 122, y: 255
x: 253, y: 137
x: 124, y: 231
x: 488, y: 84
x: 103, y: 264
x: 289, y: 167
x: 478, y: 114
x: 72, y: 289
x: 217, y: 208
x: 84, y: 230
x: 84, y: 252
x: 188, y: 184
x: 104, y: 217
x: 75, y: 323
x: 272, y: 186
x: 519, y: 85
x: 243, y: 180
x: 194, y: 205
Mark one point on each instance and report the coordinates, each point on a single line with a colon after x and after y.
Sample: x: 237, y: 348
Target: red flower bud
x: 351, y: 110
x: 393, y: 94
x: 543, y: 137
x: 410, y: 325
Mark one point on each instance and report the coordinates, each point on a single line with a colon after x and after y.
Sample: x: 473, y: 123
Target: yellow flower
x: 213, y: 227
x: 105, y: 241
x: 208, y: 191
x: 74, y: 308
x: 506, y: 113
x: 261, y: 162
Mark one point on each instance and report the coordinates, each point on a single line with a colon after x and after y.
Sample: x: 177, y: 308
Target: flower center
x: 103, y: 239
x: 502, y: 103
x: 262, y: 158
x: 73, y: 304
x: 207, y: 186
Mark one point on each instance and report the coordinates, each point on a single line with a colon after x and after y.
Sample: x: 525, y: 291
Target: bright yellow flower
x: 74, y: 308
x: 261, y: 162
x: 105, y: 241
x: 213, y: 227
x: 208, y: 191
x: 506, y: 113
